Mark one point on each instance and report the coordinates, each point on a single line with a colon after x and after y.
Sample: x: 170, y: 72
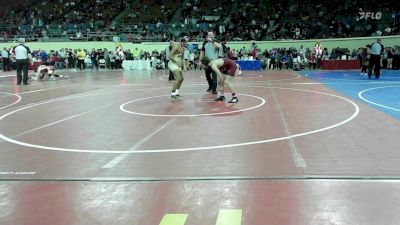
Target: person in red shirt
x: 229, y: 54
x: 225, y: 69
x: 312, y: 61
x: 53, y: 59
x: 254, y: 53
x: 364, y: 58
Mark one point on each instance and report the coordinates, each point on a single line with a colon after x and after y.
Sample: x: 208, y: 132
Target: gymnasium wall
x: 349, y: 43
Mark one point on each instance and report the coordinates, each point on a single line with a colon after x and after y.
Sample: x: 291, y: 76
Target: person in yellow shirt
x: 136, y: 54
x: 81, y: 55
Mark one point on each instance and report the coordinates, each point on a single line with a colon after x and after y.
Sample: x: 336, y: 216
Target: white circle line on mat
x: 361, y: 93
x: 19, y: 98
x: 2, y: 76
x: 202, y: 148
x: 122, y: 107
x: 297, y: 76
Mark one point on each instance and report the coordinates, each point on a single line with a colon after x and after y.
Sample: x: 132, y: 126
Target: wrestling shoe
x: 234, y: 100
x: 220, y: 99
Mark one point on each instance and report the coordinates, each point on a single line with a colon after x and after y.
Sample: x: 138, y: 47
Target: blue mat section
x: 382, y: 93
x: 249, y: 65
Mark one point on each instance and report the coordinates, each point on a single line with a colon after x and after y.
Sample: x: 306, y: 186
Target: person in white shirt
x: 87, y: 61
x: 62, y: 54
x: 186, y: 54
x: 112, y: 57
x: 191, y: 59
x: 302, y: 51
x: 22, y: 56
x: 5, y: 55
x: 78, y: 35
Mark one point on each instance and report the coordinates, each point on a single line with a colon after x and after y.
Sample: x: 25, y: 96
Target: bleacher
x: 149, y: 19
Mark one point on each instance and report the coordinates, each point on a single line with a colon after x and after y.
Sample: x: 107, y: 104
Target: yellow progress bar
x: 229, y: 217
x: 174, y: 219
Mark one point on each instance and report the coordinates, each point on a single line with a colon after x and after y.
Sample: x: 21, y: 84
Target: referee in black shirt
x: 375, y: 59
x: 212, y: 50
x: 22, y: 56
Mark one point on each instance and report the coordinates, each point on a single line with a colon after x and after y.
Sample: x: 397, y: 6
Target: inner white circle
x: 361, y: 93
x: 19, y: 98
x: 296, y: 76
x: 5, y: 138
x: 122, y: 107
x: 11, y: 75
x: 251, y: 75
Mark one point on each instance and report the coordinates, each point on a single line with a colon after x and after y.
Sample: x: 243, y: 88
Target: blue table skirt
x: 250, y: 65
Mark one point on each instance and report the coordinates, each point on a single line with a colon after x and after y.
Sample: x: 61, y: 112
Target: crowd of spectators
x: 306, y: 58
x: 80, y: 59
x: 275, y: 58
x: 151, y: 11
x: 95, y: 13
x: 272, y: 20
x: 149, y: 20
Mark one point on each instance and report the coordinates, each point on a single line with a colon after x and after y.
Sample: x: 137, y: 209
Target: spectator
x: 136, y: 54
x: 390, y: 54
x: 81, y: 55
x: 94, y: 58
x: 312, y: 61
x: 5, y: 55
x: 229, y: 54
x: 273, y: 62
x: 283, y: 62
x: 364, y: 60
x: 112, y: 57
x: 71, y: 59
x: 62, y: 54
x: 43, y: 56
